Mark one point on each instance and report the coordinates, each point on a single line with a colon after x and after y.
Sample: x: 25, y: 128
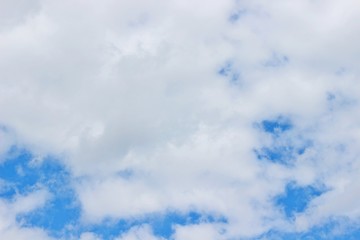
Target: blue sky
x: 171, y: 120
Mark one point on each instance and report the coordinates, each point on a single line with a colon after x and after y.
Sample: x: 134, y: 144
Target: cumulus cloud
x: 10, y: 228
x: 158, y: 106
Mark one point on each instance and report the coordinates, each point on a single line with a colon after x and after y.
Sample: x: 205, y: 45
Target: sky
x: 179, y: 120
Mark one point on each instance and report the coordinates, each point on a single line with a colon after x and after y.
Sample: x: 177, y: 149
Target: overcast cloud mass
x: 179, y: 120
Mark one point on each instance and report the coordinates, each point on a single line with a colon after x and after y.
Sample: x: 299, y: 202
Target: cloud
x: 201, y: 231
x: 88, y: 236
x: 151, y: 107
x: 139, y: 233
x: 10, y: 228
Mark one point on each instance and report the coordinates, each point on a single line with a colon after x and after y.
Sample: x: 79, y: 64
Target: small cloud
x: 139, y: 233
x: 89, y: 236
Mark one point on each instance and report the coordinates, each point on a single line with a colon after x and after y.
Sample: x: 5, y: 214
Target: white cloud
x: 16, y: 12
x: 30, y: 202
x: 8, y: 139
x: 24, y: 233
x: 89, y: 236
x: 142, y: 232
x: 200, y: 231
x: 9, y: 210
x: 133, y: 85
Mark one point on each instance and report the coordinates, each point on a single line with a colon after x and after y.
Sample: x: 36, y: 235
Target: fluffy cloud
x: 203, y: 231
x: 11, y: 229
x: 139, y: 233
x: 157, y: 106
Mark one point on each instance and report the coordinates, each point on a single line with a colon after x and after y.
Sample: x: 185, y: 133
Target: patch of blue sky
x: 295, y: 199
x: 277, y: 125
x: 110, y: 228
x: 281, y: 150
x: 333, y: 229
x: 7, y: 190
x: 16, y: 173
x: 60, y: 216
x: 21, y: 176
x: 228, y: 70
x: 161, y: 224
x: 282, y: 154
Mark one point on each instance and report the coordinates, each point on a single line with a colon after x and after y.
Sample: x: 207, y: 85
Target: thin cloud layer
x: 173, y: 120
